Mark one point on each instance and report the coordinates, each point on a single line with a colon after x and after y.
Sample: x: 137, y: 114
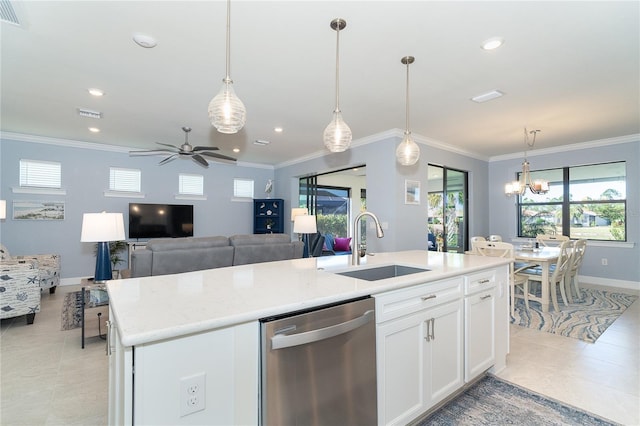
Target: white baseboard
x: 608, y: 282
x: 71, y: 281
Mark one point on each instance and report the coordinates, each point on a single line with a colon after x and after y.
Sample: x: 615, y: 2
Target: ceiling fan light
x: 226, y: 111
x: 337, y: 135
x: 408, y: 152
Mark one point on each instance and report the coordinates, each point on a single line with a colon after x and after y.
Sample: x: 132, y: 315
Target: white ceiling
x: 571, y: 69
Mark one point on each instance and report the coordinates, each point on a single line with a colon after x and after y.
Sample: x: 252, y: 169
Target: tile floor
x: 47, y: 379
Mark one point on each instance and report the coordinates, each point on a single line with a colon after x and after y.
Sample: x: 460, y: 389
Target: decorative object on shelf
x: 102, y: 228
x: 269, y: 188
x: 337, y: 135
x: 408, y: 152
x: 226, y: 111
x: 186, y: 150
x: 305, y: 225
x: 537, y: 186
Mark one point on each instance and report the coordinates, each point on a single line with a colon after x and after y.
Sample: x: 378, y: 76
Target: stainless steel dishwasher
x: 318, y: 367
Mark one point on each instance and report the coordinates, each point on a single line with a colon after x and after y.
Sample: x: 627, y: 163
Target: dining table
x: 545, y: 257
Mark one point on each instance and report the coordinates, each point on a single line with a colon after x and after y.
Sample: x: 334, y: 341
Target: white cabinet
x: 226, y: 359
x: 419, y: 348
x: 479, y: 333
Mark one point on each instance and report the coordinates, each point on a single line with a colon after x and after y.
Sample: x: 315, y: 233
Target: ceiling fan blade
x: 168, y: 159
x: 175, y: 148
x: 216, y: 155
x: 198, y: 159
x: 150, y: 152
x: 205, y: 148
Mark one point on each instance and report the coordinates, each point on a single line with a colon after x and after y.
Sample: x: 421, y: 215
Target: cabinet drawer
x: 397, y: 303
x: 479, y: 281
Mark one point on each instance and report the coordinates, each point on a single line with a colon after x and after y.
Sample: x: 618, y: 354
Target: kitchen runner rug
x: 585, y: 319
x: 493, y: 401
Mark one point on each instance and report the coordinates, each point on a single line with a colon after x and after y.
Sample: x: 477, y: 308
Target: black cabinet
x: 268, y: 216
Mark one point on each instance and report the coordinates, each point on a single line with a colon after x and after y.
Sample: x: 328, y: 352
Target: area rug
x: 585, y: 319
x: 72, y: 310
x: 493, y: 401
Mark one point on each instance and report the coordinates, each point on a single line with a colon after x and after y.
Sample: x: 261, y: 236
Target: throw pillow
x: 342, y: 244
x: 328, y: 241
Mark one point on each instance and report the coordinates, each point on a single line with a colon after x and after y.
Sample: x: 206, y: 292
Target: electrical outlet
x: 605, y: 262
x: 192, y: 394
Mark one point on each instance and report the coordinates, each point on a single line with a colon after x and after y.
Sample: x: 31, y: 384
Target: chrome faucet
x: 355, y: 250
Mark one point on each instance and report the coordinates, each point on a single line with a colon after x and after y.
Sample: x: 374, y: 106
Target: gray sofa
x: 164, y: 256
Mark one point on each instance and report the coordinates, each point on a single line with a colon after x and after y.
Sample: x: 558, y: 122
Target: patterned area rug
x: 585, y: 319
x: 72, y: 310
x: 493, y: 401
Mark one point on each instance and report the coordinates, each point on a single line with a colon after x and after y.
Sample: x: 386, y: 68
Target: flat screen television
x: 160, y: 220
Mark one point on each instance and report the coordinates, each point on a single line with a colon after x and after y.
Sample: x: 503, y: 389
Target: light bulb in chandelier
x: 226, y: 111
x: 337, y: 135
x: 407, y: 152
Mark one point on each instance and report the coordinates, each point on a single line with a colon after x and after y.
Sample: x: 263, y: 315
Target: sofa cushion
x: 165, y: 244
x: 342, y: 244
x: 189, y: 259
x: 253, y: 239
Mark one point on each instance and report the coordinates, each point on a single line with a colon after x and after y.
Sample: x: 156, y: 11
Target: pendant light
x: 408, y: 152
x: 337, y: 135
x: 518, y: 187
x: 226, y: 111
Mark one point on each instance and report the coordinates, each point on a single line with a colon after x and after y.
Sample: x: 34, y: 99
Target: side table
x: 95, y: 310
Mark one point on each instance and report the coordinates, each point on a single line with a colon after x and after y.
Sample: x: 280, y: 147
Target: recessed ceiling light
x: 236, y: 150
x: 278, y: 129
x: 94, y: 130
x: 96, y: 92
x: 145, y: 41
x: 492, y: 43
x: 487, y: 96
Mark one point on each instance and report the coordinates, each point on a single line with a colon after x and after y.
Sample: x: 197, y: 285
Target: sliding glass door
x: 447, y: 209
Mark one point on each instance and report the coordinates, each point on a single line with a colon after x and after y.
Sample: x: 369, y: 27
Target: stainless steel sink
x: 382, y: 272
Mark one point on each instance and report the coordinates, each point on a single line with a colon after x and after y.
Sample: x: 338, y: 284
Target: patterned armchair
x: 19, y: 289
x: 48, y: 266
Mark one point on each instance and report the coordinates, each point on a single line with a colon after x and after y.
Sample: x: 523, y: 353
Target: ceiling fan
x: 186, y: 150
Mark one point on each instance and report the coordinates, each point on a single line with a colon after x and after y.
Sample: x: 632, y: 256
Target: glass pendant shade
x: 337, y: 135
x: 226, y: 111
x: 408, y: 152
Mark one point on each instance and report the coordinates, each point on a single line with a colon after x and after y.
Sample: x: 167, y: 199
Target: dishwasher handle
x: 281, y: 341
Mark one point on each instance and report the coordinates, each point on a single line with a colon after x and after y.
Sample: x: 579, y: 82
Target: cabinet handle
x: 485, y: 297
x: 428, y: 333
x: 108, y: 348
x: 484, y: 281
x: 433, y: 328
x: 431, y: 296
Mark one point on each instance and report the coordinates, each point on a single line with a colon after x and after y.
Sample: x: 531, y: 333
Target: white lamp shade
x: 337, y: 135
x: 305, y: 224
x: 408, y: 152
x: 3, y: 209
x: 102, y: 227
x: 298, y: 211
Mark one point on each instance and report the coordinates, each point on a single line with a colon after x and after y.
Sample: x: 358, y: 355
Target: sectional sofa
x: 164, y: 256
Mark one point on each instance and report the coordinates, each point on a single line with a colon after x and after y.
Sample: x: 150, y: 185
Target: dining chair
x: 495, y: 238
x: 579, y: 247
x: 558, y: 275
x: 548, y: 240
x: 516, y: 280
x: 474, y: 240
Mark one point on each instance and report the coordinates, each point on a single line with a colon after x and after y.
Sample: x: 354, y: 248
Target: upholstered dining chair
x: 558, y: 276
x: 548, y: 240
x: 516, y: 279
x: 579, y: 247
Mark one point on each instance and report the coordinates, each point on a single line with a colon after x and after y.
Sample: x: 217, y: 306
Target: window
x: 40, y: 174
x: 243, y: 188
x: 583, y: 202
x: 447, y: 209
x: 190, y: 184
x: 124, y: 180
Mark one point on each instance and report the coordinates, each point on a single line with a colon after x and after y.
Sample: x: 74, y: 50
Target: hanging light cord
x: 526, y: 141
x: 407, y: 94
x: 228, y: 67
x: 338, y: 67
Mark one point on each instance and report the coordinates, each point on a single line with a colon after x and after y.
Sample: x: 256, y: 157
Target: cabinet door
x: 479, y: 333
x: 443, y: 354
x: 400, y: 351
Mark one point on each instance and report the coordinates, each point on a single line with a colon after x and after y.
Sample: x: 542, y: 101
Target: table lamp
x: 305, y: 225
x: 102, y: 228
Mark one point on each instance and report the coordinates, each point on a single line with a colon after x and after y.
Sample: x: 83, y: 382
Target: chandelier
x: 518, y: 187
x: 226, y: 111
x: 408, y: 152
x: 337, y: 135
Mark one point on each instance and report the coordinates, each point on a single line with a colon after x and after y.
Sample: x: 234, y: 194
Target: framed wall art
x: 38, y: 210
x: 412, y: 192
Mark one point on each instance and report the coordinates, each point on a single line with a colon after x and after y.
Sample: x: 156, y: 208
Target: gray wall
x: 85, y: 177
x: 385, y: 188
x: 623, y: 262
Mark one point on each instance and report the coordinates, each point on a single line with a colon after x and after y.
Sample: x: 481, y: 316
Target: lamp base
x: 103, y: 264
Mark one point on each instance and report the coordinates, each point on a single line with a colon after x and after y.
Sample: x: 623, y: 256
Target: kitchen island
x: 205, y: 325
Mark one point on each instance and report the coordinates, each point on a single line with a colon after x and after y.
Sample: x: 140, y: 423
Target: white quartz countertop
x: 167, y: 306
